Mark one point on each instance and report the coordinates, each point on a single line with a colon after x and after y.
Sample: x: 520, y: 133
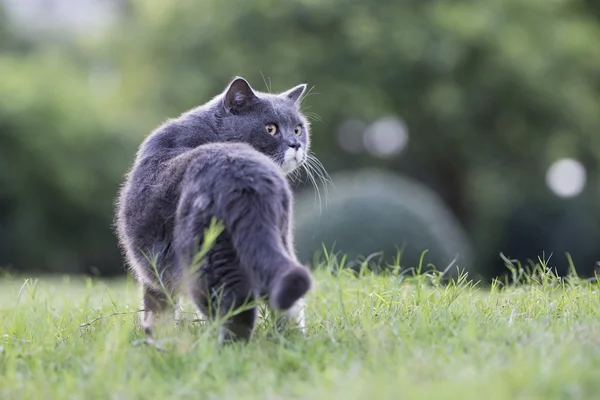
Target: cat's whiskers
x: 312, y: 166
x: 311, y: 115
x: 295, y: 176
x: 319, y: 170
x: 309, y: 173
x: 267, y: 85
x: 308, y: 93
x: 323, y: 174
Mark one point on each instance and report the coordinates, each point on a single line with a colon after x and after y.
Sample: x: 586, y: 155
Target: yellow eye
x: 271, y: 129
x: 298, y: 130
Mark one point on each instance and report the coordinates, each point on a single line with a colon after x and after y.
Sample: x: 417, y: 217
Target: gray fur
x: 218, y: 160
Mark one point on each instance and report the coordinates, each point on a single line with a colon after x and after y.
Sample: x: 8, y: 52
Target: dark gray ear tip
x: 238, y: 94
x: 303, y: 87
x: 296, y: 92
x: 239, y: 84
x: 238, y: 80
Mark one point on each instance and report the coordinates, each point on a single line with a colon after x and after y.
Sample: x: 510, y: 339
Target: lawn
x: 369, y: 337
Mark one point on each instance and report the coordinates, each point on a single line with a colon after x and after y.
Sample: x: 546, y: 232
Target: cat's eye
x: 298, y: 130
x: 271, y: 129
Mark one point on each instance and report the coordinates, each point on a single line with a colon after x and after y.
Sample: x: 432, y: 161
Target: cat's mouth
x: 292, y: 159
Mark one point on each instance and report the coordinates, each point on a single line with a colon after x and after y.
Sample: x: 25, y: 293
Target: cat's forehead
x: 278, y: 106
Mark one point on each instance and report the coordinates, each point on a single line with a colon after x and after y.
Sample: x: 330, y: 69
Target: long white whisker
x: 310, y: 176
x: 265, y: 81
x: 317, y: 167
x: 310, y: 92
x: 314, y: 158
x: 311, y: 115
x: 320, y: 170
x: 316, y: 172
x: 296, y: 176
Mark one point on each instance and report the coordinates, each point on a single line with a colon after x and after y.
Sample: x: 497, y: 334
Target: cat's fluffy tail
x: 281, y: 278
x: 260, y: 247
x: 288, y: 287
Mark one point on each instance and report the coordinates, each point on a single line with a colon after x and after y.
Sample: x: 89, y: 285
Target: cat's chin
x: 292, y: 159
x: 289, y: 166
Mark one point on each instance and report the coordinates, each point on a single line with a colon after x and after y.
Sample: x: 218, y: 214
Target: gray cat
x: 226, y: 159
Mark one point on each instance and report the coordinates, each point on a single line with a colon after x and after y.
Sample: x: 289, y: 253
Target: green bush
x: 371, y: 211
x: 492, y: 92
x: 547, y: 228
x: 62, y: 157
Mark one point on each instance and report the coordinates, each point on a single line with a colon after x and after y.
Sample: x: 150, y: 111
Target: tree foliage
x: 492, y: 92
x: 61, y: 159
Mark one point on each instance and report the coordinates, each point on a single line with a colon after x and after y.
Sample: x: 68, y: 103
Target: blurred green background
x: 486, y: 113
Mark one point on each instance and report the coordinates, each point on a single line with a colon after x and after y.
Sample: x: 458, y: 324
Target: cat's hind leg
x: 295, y: 317
x: 155, y: 303
x: 236, y: 316
x: 238, y: 327
x: 229, y: 299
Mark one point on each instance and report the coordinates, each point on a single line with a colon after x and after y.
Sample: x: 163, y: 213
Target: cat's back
x: 231, y: 152
x: 237, y: 161
x: 176, y: 136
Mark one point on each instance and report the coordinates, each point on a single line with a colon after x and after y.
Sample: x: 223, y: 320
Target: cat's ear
x: 239, y: 95
x: 295, y: 93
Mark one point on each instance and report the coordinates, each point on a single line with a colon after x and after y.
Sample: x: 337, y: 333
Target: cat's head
x: 271, y: 123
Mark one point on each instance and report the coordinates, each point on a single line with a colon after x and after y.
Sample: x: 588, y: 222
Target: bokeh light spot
x: 566, y: 177
x: 350, y: 133
x: 386, y: 137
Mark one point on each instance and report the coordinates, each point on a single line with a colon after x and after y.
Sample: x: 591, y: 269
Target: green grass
x: 369, y: 337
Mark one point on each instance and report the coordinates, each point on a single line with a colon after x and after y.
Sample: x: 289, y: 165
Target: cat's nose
x: 294, y: 144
